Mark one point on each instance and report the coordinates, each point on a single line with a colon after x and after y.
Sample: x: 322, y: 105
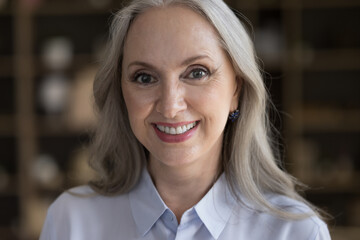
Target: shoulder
x: 76, y: 214
x: 270, y: 226
x: 74, y: 198
x: 310, y: 227
x: 288, y: 204
x: 83, y: 199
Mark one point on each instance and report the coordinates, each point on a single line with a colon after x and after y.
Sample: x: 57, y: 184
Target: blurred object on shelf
x: 45, y: 171
x: 99, y: 4
x: 53, y: 93
x: 36, y: 213
x: 312, y: 46
x: 3, y: 4
x: 31, y: 4
x: 333, y: 170
x: 336, y: 159
x: 57, y: 53
x: 80, y: 172
x: 307, y: 55
x: 4, y: 179
x: 355, y: 210
x: 325, y: 118
x: 345, y: 233
x: 305, y: 154
x: 331, y: 28
x: 80, y: 110
x: 319, y: 167
x: 269, y: 43
x: 331, y: 89
x: 9, y: 206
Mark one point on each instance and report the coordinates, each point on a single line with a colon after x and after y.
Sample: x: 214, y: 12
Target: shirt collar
x: 146, y: 203
x: 215, y: 208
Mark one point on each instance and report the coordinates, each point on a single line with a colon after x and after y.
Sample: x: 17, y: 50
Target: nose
x: 171, y: 100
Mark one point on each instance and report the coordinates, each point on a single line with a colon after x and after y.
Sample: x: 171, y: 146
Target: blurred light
x: 53, y: 93
x: 57, y: 53
x: 45, y: 169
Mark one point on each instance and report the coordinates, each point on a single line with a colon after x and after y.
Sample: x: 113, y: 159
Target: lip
x: 168, y: 138
x: 174, y: 124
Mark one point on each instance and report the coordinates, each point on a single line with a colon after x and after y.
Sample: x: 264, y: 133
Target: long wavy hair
x: 248, y: 160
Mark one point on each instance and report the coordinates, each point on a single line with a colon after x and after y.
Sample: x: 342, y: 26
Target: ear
x: 236, y: 95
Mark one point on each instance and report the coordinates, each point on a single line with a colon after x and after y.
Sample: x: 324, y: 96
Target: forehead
x: 174, y: 30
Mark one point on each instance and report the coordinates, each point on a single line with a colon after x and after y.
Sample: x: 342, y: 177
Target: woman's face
x: 179, y: 86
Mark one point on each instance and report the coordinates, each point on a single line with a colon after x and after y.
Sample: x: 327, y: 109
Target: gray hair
x: 248, y: 159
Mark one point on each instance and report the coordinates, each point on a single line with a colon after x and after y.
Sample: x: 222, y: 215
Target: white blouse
x: 142, y: 214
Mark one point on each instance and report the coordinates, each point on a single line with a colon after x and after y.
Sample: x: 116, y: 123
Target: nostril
x: 171, y: 100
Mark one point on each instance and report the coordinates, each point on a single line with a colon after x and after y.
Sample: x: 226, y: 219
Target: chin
x: 173, y: 159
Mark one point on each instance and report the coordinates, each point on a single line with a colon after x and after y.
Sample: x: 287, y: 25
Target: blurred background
x: 49, y: 54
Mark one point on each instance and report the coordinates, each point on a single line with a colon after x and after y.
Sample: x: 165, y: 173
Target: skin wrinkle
x: 156, y: 70
x: 248, y: 140
x: 182, y: 172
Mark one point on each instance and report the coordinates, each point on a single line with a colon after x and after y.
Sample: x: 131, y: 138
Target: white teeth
x: 177, y: 130
x: 183, y: 129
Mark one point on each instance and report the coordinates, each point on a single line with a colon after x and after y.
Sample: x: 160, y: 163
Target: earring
x: 234, y: 115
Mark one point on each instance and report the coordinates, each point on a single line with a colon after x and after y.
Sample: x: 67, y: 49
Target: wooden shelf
x: 345, y: 233
x: 57, y: 126
x: 6, y: 10
x: 330, y: 3
x: 7, y: 125
x: 331, y: 59
x: 8, y: 232
x: 336, y: 182
x: 53, y: 8
x: 271, y: 66
x: 78, y: 62
x: 6, y: 63
x: 321, y: 188
x: 329, y: 119
x: 11, y: 188
x: 33, y: 133
x: 294, y: 5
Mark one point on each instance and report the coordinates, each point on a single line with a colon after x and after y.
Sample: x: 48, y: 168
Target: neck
x: 182, y: 187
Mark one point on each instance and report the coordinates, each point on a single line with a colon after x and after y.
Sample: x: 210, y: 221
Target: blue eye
x: 198, y: 73
x: 143, y: 78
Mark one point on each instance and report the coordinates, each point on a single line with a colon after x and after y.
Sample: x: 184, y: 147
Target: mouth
x: 176, y: 130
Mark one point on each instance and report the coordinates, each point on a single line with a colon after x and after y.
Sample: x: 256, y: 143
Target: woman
x: 182, y: 148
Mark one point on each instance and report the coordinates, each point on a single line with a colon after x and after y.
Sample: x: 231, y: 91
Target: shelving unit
x: 27, y: 132
x: 319, y: 86
x: 310, y: 53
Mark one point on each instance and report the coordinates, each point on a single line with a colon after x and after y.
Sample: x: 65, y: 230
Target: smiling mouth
x: 176, y: 130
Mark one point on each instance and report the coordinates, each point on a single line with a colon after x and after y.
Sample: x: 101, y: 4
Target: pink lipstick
x: 175, y: 132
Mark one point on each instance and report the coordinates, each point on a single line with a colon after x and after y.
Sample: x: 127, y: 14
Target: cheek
x: 213, y: 102
x: 215, y: 95
x: 138, y: 105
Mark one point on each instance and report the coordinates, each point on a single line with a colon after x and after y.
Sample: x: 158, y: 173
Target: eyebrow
x: 185, y: 62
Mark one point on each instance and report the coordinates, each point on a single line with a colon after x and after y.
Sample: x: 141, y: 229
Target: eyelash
x: 185, y: 75
x: 198, y: 68
x: 139, y: 74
